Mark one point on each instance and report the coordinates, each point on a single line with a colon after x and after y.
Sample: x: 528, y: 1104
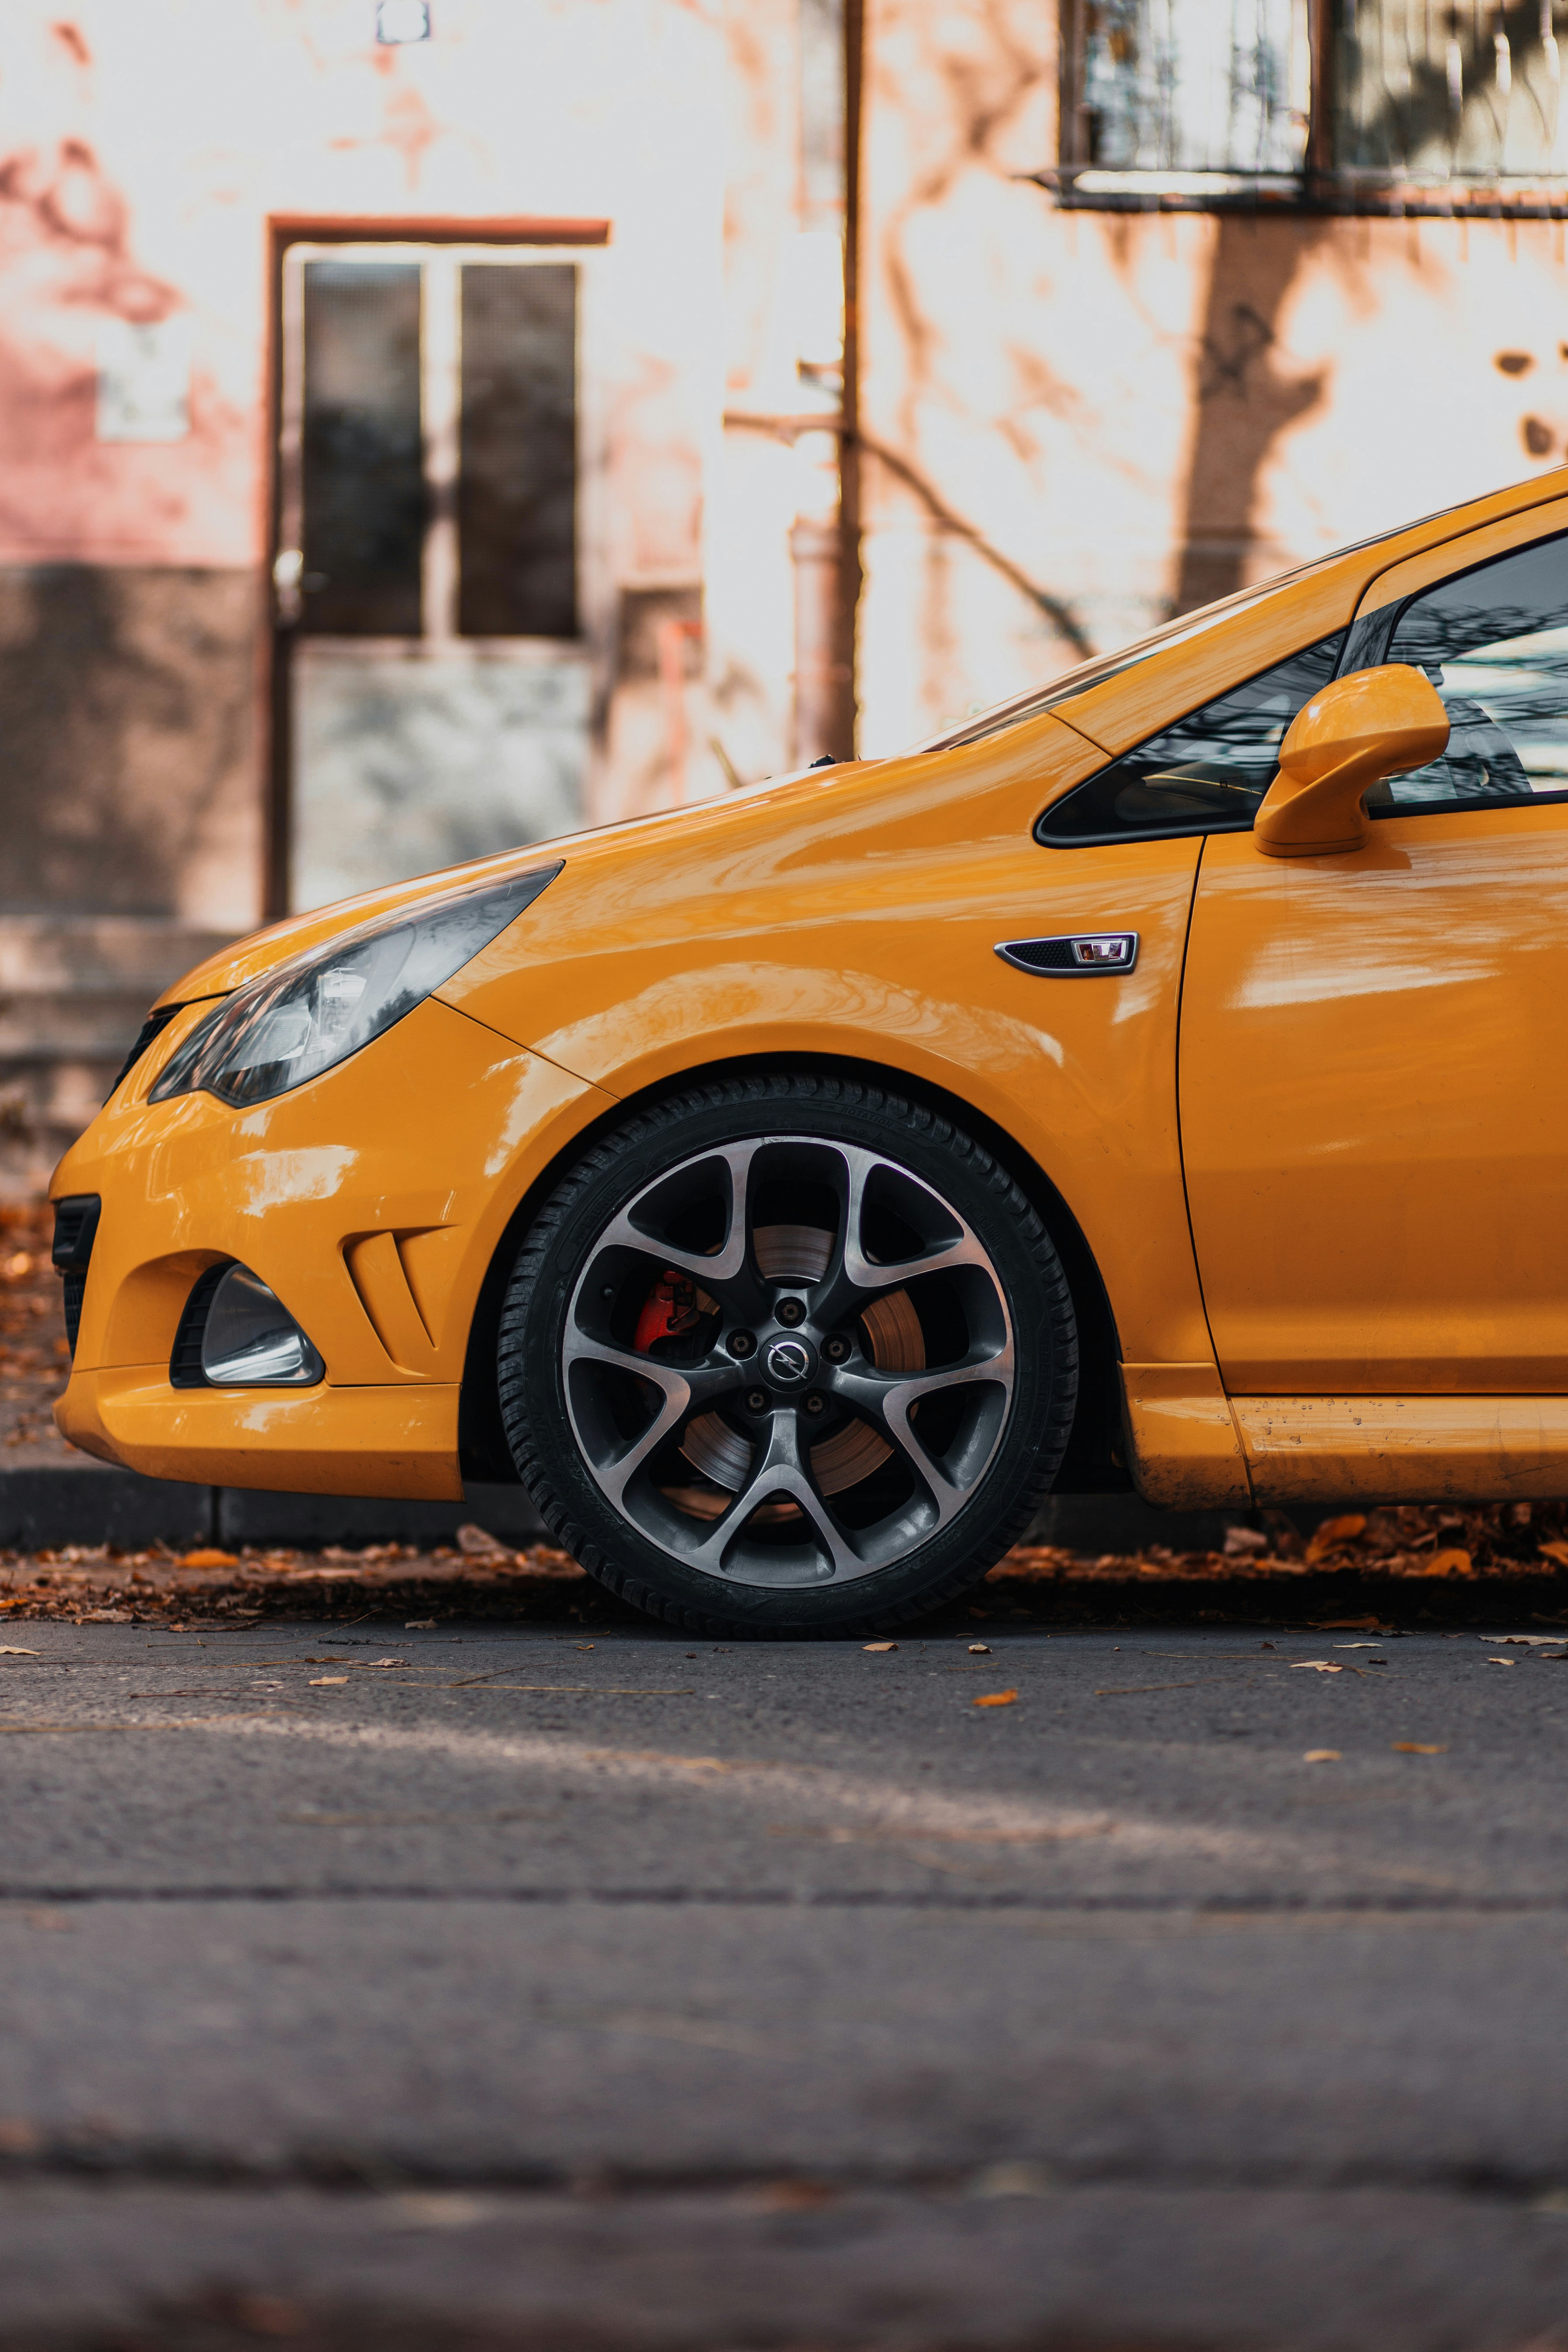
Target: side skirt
x: 1405, y: 1449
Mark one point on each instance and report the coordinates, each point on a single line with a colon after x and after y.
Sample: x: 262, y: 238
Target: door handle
x: 1072, y: 953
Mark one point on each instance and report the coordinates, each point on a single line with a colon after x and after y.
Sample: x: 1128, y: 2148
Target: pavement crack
x: 1270, y: 1902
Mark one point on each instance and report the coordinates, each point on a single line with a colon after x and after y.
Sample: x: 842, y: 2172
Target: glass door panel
x: 439, y: 692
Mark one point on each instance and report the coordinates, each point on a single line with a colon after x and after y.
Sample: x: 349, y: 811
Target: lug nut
x: 814, y: 1403
x: 740, y: 1343
x: 837, y: 1349
x: 791, y: 1311
x: 757, y: 1400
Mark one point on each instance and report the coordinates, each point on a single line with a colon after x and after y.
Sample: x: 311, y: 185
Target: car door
x: 1374, y: 1126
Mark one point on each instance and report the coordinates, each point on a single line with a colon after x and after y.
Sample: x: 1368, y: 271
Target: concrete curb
x: 44, y: 1505
x: 47, y: 1502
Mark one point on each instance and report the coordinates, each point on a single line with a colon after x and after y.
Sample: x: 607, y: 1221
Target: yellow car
x: 1161, y: 1078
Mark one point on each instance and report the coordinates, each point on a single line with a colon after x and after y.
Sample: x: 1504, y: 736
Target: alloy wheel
x: 787, y: 1361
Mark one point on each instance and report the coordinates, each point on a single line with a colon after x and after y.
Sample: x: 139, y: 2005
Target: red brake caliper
x: 670, y: 1308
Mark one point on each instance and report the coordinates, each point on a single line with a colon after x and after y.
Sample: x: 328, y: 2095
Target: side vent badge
x: 1076, y: 952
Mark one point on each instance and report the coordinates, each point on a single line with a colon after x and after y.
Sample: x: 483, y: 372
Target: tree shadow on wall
x: 1244, y: 404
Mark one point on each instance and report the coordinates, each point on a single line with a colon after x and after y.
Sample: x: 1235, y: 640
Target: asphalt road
x: 470, y: 1988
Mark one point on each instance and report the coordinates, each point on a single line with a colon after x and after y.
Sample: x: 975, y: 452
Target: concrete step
x: 74, y: 990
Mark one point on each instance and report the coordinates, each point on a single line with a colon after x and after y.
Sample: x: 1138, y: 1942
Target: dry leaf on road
x: 327, y: 1682
x: 1241, y: 1541
x: 995, y: 1698
x: 1417, y: 1747
x: 208, y: 1557
x: 1336, y: 1531
x: 979, y: 1649
x: 1453, y: 1563
x: 14, y: 1650
x: 1315, y: 1666
x: 1322, y: 1756
x: 879, y: 1645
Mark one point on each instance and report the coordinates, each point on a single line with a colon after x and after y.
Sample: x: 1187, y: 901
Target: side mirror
x: 1376, y: 723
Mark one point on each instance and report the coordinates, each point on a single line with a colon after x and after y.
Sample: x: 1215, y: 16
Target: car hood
x: 264, y: 951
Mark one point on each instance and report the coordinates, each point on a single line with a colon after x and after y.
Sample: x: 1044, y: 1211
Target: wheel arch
x: 1093, y: 1463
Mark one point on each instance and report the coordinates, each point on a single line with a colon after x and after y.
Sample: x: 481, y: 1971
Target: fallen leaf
x: 419, y: 1625
x: 1454, y: 1562
x: 1415, y: 1747
x: 1136, y: 1690
x: 1523, y: 1641
x: 1557, y: 1551
x: 1358, y: 1645
x: 1335, y: 1532
x: 473, y: 1539
x: 1014, y: 2179
x: 880, y: 1645
x: 1500, y: 1662
x: 327, y: 1682
x: 795, y: 2196
x: 208, y: 1557
x: 979, y: 1649
x: 386, y: 1661
x: 1314, y: 1667
x: 1240, y: 1541
x: 1322, y: 1756
x: 14, y: 1650
x: 1349, y: 1626
x: 996, y: 1698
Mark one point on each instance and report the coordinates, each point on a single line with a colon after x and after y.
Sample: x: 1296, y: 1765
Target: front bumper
x: 372, y: 1200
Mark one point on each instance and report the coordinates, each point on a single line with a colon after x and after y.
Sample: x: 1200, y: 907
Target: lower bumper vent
x: 76, y: 1230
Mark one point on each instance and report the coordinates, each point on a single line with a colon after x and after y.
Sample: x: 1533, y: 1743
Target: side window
x: 1494, y: 642
x: 1204, y: 774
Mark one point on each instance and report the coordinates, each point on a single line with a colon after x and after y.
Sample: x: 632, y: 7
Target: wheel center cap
x: 790, y: 1362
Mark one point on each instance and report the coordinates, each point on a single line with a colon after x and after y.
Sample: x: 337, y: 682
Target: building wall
x: 1087, y: 422
x: 144, y: 154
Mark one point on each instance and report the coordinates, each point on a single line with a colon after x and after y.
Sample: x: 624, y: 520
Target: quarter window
x: 1206, y: 774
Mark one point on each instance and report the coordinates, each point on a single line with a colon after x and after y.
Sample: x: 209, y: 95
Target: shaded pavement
x: 552, y: 1983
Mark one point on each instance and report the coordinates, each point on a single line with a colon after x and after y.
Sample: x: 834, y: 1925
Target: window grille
x: 1429, y: 92
x: 1201, y: 96
x: 1359, y: 105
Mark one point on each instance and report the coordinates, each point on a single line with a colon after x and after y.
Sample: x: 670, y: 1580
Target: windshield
x: 1071, y: 682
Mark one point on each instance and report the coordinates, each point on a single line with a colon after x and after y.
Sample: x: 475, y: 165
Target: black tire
x: 934, y: 1470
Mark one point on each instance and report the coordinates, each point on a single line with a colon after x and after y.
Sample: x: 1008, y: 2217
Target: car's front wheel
x: 787, y: 1355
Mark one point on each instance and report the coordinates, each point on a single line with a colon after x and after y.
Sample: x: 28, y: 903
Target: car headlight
x: 317, y: 1009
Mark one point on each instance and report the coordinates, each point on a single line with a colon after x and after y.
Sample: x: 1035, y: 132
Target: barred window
x: 1186, y: 87
x: 1360, y: 104
x: 1428, y: 93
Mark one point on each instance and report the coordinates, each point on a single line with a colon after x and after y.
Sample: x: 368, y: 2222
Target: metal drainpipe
x: 825, y: 542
